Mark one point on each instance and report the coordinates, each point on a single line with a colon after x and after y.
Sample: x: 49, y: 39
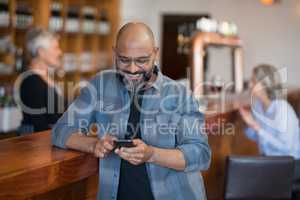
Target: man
x: 139, y: 103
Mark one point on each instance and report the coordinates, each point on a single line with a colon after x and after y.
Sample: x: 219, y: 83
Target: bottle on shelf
x: 6, y: 45
x: 104, y: 24
x: 4, y: 13
x: 72, y: 22
x: 86, y: 61
x: 19, y: 60
x: 184, y: 34
x: 56, y: 20
x: 7, y: 49
x: 24, y: 16
x: 69, y: 61
x: 2, y: 96
x: 6, y: 96
x: 180, y: 39
x: 89, y: 20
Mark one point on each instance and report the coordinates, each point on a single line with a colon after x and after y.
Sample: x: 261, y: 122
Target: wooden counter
x: 30, y: 168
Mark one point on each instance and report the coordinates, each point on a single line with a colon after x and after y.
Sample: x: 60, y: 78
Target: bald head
x: 135, y: 54
x: 135, y: 35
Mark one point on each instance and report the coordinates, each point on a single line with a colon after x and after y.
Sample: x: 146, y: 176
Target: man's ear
x: 156, y: 53
x: 114, y: 50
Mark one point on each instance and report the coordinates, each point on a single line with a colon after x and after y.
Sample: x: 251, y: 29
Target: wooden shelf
x: 8, y: 78
x: 216, y: 39
x: 77, y: 43
x: 199, y: 43
x: 5, y: 31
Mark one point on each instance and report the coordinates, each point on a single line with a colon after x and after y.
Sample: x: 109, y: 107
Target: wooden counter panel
x: 85, y: 189
x: 223, y: 142
x: 30, y: 166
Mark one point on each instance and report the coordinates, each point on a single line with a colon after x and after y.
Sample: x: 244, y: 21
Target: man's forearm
x: 170, y: 158
x: 81, y: 143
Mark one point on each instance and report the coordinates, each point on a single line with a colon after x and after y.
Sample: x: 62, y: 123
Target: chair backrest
x: 297, y: 171
x: 259, y: 177
x: 296, y: 179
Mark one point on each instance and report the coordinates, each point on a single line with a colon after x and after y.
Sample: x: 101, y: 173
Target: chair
x: 259, y: 178
x: 296, y: 181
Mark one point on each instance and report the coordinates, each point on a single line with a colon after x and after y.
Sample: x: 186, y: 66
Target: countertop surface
x: 30, y: 165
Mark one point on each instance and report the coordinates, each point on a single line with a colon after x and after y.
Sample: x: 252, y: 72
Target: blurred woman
x: 272, y: 122
x: 41, y: 101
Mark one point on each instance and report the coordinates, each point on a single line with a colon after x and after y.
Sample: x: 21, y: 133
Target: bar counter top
x: 30, y: 168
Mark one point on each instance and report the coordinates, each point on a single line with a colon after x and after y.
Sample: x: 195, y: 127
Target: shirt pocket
x: 162, y: 130
x: 110, y: 120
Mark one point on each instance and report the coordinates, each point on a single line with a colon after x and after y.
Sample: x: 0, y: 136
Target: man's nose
x: 133, y: 67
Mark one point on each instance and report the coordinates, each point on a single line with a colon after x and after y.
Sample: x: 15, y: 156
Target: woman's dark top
x: 36, y: 94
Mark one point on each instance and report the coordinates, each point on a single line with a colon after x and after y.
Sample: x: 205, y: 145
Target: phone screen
x: 123, y: 143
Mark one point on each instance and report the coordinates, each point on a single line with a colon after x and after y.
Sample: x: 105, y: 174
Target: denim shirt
x: 170, y: 119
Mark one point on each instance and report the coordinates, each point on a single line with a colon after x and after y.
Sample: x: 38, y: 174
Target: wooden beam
x: 41, y: 13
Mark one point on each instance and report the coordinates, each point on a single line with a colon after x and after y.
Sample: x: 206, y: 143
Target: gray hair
x: 37, y: 38
x: 269, y: 77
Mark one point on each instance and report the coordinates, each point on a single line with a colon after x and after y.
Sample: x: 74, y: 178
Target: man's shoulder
x: 170, y: 86
x: 178, y: 95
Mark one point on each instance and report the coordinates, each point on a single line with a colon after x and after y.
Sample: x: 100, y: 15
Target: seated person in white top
x: 272, y: 122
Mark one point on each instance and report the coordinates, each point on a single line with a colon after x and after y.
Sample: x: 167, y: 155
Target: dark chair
x: 259, y: 178
x: 296, y: 181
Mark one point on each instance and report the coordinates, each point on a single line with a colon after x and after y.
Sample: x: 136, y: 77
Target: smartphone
x: 123, y: 143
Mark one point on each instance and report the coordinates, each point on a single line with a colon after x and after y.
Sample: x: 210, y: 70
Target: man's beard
x: 138, y: 84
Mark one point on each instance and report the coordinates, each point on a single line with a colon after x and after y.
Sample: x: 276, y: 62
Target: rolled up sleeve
x: 77, y: 118
x: 192, y: 139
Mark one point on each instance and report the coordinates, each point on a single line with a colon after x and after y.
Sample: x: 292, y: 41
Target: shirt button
x: 115, y: 175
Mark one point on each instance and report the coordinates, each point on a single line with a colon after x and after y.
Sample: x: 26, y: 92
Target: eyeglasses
x: 140, y: 61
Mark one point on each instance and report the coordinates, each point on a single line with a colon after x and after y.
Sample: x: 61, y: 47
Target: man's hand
x: 104, y: 146
x: 139, y: 154
x: 248, y: 118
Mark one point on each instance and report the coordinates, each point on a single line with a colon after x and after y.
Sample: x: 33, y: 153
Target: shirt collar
x: 157, y: 84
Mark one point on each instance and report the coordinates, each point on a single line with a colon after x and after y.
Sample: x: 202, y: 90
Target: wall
x: 270, y: 34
